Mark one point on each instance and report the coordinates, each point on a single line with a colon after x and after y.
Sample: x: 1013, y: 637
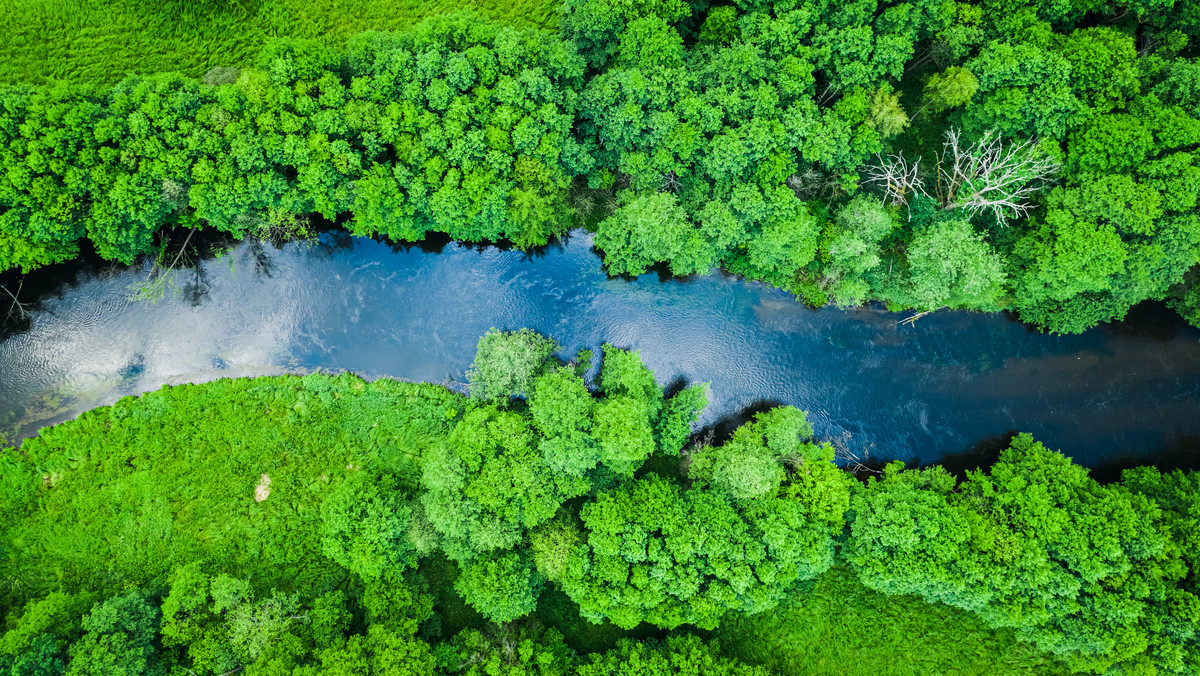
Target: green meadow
x: 101, y: 41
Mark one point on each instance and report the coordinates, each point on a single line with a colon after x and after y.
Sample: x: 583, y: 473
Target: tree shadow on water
x: 719, y: 432
x: 981, y: 456
x: 1181, y: 452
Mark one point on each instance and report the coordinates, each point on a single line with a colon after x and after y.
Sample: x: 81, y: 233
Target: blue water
x: 876, y: 389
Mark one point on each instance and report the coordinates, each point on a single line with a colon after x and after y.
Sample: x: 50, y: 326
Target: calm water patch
x: 874, y: 388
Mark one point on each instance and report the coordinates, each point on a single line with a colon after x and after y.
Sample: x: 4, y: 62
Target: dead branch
x: 992, y: 175
x: 16, y: 303
x: 913, y: 319
x: 900, y: 180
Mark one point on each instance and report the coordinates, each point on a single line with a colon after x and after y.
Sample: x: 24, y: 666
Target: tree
x: 487, y: 484
x: 648, y: 229
x: 1024, y: 90
x: 1185, y: 298
x: 751, y: 463
x: 660, y: 554
x: 562, y: 407
x: 190, y: 621
x: 783, y: 247
x: 43, y: 658
x: 624, y: 433
x: 119, y: 638
x: 1104, y: 71
x: 253, y: 626
x: 57, y: 614
x: 507, y: 363
x: 951, y: 266
x: 720, y: 26
x: 950, y: 88
x: 397, y: 602
x: 679, y: 413
x: 365, y: 522
x: 1034, y: 544
x: 1122, y: 229
x: 381, y: 652
x: 992, y: 176
x: 854, y: 248
x: 1173, y: 613
x: 886, y: 115
x: 501, y: 586
x: 526, y: 650
x: 595, y: 25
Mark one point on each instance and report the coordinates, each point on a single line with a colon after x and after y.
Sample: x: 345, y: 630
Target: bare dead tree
x: 935, y: 53
x: 670, y: 182
x: 992, y: 175
x: 899, y: 180
x: 850, y: 460
x: 811, y: 182
x: 828, y: 93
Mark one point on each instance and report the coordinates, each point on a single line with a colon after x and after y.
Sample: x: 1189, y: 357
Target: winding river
x: 1126, y: 392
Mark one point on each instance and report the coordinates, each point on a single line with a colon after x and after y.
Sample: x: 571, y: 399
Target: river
x: 878, y: 390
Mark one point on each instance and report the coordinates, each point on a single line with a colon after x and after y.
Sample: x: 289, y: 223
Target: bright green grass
x: 100, y: 41
x: 170, y: 477
x: 841, y: 627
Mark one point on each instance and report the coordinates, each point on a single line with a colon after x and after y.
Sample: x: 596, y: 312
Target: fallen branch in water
x: 181, y: 250
x: 913, y: 319
x: 16, y: 304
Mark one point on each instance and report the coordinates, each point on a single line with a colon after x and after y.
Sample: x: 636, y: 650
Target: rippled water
x: 876, y: 389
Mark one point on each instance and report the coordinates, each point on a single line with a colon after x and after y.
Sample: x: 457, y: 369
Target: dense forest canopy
x: 324, y: 524
x: 1028, y: 155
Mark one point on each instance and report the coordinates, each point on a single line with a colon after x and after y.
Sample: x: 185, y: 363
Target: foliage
x: 486, y: 484
x: 502, y: 587
x: 529, y: 649
x: 852, y: 246
x: 118, y: 637
x: 365, y: 526
x: 506, y: 363
x: 456, y: 125
x: 1034, y: 544
x: 950, y: 265
x: 1123, y: 228
x: 667, y: 556
x: 648, y: 229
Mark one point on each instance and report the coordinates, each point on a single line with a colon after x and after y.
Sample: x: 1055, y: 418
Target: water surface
x: 876, y: 389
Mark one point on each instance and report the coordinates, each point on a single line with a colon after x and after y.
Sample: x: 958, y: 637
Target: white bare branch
x: 992, y: 175
x: 900, y: 180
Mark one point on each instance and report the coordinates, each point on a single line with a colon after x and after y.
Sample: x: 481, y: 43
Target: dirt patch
x: 263, y: 490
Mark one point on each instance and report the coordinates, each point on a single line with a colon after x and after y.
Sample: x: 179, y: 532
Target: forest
x: 563, y: 518
x: 1035, y: 156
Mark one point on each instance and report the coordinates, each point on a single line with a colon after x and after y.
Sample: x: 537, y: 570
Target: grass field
x: 841, y: 627
x: 100, y: 41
